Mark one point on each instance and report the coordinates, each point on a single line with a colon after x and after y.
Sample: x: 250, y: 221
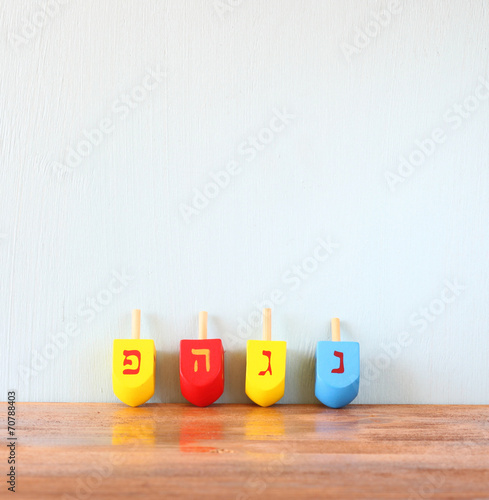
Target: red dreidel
x: 202, y: 367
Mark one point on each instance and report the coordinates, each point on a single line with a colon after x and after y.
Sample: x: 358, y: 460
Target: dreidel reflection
x: 202, y: 367
x: 337, y: 370
x: 265, y: 366
x: 133, y: 366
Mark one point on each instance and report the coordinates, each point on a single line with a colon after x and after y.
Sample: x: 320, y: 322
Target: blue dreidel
x: 337, y: 370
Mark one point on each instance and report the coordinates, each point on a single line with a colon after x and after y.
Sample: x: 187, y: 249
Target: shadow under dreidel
x: 301, y: 362
x: 133, y: 425
x: 167, y: 388
x: 381, y: 375
x: 167, y: 383
x: 198, y: 426
x: 234, y: 375
x: 299, y: 377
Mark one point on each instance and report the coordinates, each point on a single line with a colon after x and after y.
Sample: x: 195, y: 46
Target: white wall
x: 359, y: 103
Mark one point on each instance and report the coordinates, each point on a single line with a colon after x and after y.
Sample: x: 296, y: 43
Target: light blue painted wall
x: 308, y: 114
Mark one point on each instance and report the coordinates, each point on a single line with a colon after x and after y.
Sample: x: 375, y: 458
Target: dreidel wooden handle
x: 136, y: 324
x: 267, y: 324
x: 202, y: 325
x: 335, y: 329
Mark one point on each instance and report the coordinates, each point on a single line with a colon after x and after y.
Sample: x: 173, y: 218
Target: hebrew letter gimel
x: 268, y: 354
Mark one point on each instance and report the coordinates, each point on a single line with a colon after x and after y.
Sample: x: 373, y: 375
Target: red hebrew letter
x: 131, y: 371
x: 341, y: 369
x: 268, y: 354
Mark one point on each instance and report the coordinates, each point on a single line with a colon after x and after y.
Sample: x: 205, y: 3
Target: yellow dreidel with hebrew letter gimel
x: 265, y: 366
x: 133, y: 366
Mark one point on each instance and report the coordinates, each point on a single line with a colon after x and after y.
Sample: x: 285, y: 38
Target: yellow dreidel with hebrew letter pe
x: 133, y: 366
x: 265, y: 366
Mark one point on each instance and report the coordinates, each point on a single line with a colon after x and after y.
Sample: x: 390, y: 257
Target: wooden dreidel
x: 265, y: 366
x: 133, y: 366
x: 202, y: 367
x: 337, y: 370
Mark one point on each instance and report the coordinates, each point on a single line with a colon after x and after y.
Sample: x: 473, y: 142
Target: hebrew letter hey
x: 202, y: 352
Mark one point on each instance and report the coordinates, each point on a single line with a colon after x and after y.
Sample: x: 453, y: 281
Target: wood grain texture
x: 243, y: 451
x: 261, y: 98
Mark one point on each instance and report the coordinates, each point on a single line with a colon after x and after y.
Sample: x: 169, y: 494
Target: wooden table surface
x: 242, y: 451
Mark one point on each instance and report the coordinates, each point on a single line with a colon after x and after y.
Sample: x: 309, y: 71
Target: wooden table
x: 244, y: 451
